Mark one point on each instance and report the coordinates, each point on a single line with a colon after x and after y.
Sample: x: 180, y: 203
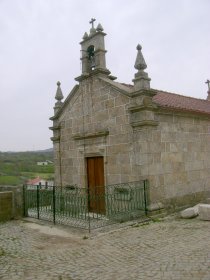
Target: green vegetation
x: 10, y: 180
x: 85, y: 237
x: 17, y: 167
x: 2, y: 252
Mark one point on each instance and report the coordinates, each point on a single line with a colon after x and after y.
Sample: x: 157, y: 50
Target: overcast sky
x: 39, y: 45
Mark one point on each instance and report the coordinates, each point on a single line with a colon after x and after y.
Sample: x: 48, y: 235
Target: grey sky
x: 39, y: 45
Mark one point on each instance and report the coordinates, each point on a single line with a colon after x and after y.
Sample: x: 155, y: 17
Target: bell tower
x: 93, y: 53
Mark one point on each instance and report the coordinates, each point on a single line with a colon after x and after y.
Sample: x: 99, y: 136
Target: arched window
x: 91, y: 56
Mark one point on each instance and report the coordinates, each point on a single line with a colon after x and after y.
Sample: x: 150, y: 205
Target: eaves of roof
x: 182, y: 103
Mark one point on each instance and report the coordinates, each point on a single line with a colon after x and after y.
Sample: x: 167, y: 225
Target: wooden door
x: 96, y: 190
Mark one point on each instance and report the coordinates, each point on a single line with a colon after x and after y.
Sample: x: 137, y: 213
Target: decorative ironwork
x: 70, y: 205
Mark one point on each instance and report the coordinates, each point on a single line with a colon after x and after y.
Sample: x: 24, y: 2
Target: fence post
x: 88, y: 201
x: 54, y: 204
x: 37, y: 200
x: 145, y: 197
x: 24, y: 200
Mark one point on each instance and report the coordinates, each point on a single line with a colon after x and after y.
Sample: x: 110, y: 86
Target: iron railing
x: 81, y: 207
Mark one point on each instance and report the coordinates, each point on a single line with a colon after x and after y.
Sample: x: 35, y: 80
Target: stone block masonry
x: 140, y: 132
x: 173, y: 153
x: 11, y: 202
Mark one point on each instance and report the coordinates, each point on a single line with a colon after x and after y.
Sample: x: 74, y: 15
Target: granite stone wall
x: 96, y: 124
x: 170, y: 149
x: 11, y: 202
x: 175, y: 157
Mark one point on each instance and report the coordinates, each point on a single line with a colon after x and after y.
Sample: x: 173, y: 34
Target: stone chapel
x: 129, y: 132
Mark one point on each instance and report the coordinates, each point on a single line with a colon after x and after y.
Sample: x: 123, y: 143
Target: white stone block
x: 207, y: 201
x: 204, y: 212
x: 189, y: 213
x: 196, y: 208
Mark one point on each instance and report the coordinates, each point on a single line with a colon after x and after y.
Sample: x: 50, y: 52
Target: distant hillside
x: 46, y: 151
x: 38, y: 151
x: 27, y: 158
x: 17, y: 167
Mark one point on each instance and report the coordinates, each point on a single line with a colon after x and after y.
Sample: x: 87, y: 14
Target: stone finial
x: 92, y: 31
x: 58, y: 97
x: 99, y: 27
x: 140, y: 63
x: 85, y: 36
x: 59, y: 94
x: 141, y: 80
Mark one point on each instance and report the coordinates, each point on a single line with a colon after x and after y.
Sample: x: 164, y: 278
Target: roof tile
x: 180, y: 102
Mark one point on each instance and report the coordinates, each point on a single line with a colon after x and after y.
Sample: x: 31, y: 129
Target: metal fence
x: 78, y: 207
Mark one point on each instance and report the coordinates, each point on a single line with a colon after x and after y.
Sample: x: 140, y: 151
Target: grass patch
x: 46, y: 176
x: 10, y: 180
x: 156, y: 220
x: 85, y: 237
x: 14, y: 238
x: 141, y: 224
x: 21, y: 179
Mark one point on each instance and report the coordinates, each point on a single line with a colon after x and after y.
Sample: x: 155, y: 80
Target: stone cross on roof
x: 208, y: 83
x: 92, y: 22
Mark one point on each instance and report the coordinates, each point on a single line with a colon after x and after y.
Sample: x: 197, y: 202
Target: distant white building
x: 42, y: 163
x: 46, y: 162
